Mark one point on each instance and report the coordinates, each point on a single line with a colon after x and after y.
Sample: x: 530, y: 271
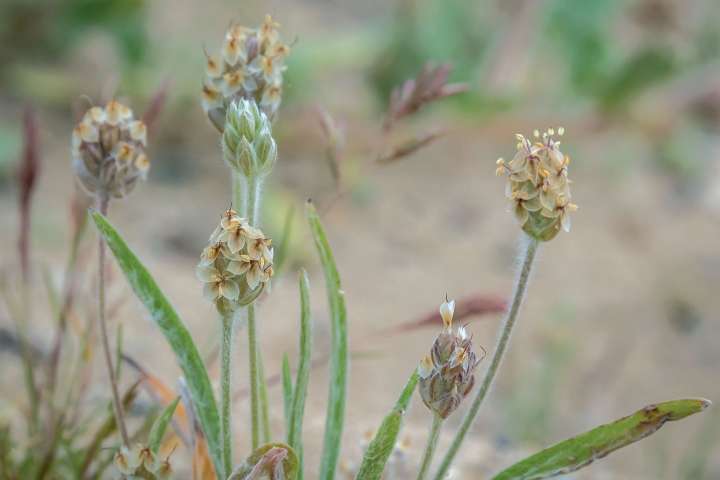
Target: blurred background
x: 622, y: 312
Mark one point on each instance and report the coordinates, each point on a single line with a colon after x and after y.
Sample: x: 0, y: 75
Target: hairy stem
x: 430, y: 447
x: 258, y: 401
x: 103, y: 200
x: 254, y: 393
x: 240, y: 194
x: 264, y: 403
x: 530, y: 247
x: 225, y: 382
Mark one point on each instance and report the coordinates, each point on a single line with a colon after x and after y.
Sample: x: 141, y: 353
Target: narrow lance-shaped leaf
x: 287, y: 391
x: 382, y: 444
x: 339, y: 351
x: 578, y: 452
x: 157, y: 432
x: 175, y: 332
x: 302, y: 378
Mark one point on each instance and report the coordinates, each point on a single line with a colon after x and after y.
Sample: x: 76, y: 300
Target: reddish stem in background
x: 27, y: 179
x: 157, y: 103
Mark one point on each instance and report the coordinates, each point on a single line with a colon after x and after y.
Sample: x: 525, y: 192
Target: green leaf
x: 160, y: 425
x: 302, y: 378
x: 381, y: 446
x: 283, y: 249
x: 287, y: 391
x: 335, y: 416
x: 176, y: 334
x: 581, y: 451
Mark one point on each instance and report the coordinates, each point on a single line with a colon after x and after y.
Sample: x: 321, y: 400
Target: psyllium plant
x: 241, y: 97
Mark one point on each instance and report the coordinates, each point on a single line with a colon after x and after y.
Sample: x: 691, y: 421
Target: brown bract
x: 447, y: 373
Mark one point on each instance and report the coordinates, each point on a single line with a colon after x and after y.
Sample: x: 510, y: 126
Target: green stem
x: 240, y: 194
x: 254, y: 394
x: 264, y: 403
x: 103, y: 200
x: 530, y: 246
x: 254, y: 189
x: 430, y: 447
x: 225, y: 381
x: 258, y: 388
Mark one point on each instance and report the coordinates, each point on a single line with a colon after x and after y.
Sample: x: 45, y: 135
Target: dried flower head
x: 538, y: 185
x: 236, y: 265
x: 250, y: 66
x: 447, y: 373
x: 108, y: 149
x: 247, y: 142
x: 128, y: 460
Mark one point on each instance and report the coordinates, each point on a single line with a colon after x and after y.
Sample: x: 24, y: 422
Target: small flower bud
x: 237, y: 264
x: 538, y: 185
x: 447, y: 373
x: 250, y: 67
x: 248, y: 145
x: 108, y: 150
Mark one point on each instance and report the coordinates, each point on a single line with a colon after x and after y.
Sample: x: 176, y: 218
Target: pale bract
x: 236, y: 265
x: 538, y: 186
x: 250, y: 66
x: 108, y: 150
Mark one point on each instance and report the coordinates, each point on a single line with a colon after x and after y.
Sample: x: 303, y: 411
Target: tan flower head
x: 236, y: 265
x: 128, y: 460
x: 250, y: 66
x: 108, y: 150
x: 447, y: 373
x: 538, y: 185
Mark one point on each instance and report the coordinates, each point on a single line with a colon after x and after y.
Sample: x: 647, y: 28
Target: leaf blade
x: 160, y: 426
x: 302, y: 377
x: 339, y: 357
x: 382, y: 444
x: 287, y: 388
x: 580, y: 451
x: 174, y: 330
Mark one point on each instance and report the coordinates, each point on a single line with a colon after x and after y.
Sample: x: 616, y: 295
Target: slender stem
x: 258, y: 393
x: 530, y: 248
x: 103, y: 200
x: 430, y: 447
x: 254, y: 394
x: 225, y: 380
x: 264, y: 403
x: 240, y: 194
x: 254, y: 199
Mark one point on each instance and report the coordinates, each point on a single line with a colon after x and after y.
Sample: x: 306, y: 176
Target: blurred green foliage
x: 44, y: 30
x: 430, y: 30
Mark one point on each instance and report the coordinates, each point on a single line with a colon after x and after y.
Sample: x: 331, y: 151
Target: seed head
x: 128, y: 460
x: 108, y: 150
x: 538, y: 185
x: 447, y: 373
x: 236, y: 265
x: 248, y: 145
x: 250, y: 66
